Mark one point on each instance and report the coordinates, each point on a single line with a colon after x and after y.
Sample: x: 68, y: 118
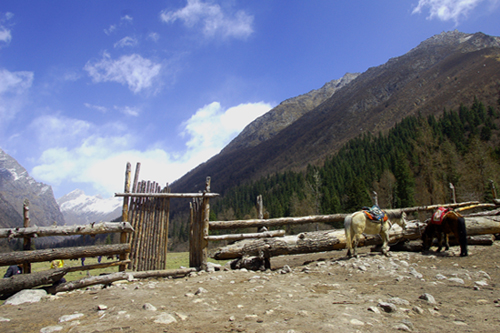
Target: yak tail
x: 462, y: 233
x: 347, y: 228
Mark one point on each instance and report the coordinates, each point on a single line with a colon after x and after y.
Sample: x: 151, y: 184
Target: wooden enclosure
x: 147, y: 208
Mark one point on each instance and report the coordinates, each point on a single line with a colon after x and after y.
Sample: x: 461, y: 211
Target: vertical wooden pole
x: 27, y: 240
x: 493, y: 189
x: 453, y: 197
x: 260, y: 206
x: 133, y: 208
x: 204, y: 234
x: 123, y: 235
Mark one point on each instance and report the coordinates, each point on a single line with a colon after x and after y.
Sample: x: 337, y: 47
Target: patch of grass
x: 174, y: 260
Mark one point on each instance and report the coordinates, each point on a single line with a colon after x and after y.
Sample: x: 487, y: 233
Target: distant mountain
x: 442, y: 72
x: 78, y: 208
x: 286, y: 113
x: 15, y: 186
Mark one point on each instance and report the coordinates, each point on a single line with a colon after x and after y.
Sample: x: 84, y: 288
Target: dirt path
x: 319, y: 293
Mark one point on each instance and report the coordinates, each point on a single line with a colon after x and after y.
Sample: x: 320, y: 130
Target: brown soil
x: 324, y: 292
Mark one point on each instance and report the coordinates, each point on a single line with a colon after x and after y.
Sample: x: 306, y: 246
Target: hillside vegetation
x: 413, y: 163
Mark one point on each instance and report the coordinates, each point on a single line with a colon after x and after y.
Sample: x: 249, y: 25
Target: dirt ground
x: 323, y: 292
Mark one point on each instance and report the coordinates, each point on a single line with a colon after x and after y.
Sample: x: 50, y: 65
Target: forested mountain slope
x: 441, y: 72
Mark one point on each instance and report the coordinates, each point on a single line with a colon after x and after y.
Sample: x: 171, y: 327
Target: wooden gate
x: 147, y: 209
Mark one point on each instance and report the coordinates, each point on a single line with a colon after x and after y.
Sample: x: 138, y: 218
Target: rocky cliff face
x: 16, y: 185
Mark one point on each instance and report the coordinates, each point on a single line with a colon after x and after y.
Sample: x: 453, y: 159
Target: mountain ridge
x: 440, y: 72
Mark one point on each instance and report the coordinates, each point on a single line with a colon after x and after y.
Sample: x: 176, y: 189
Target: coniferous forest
x: 412, y: 164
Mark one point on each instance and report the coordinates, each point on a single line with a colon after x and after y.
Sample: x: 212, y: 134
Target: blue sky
x: 86, y: 86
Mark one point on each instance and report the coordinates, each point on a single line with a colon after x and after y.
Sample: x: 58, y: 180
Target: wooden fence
x: 147, y: 209
x: 28, y: 256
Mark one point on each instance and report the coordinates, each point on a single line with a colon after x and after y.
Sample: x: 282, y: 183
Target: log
x: 13, y: 258
x: 106, y: 279
x: 168, y: 195
x: 309, y: 242
x: 91, y: 229
x: 163, y: 273
x: 28, y: 281
x: 232, y: 237
x: 335, y: 239
x: 89, y: 281
x: 237, y: 224
x: 481, y: 240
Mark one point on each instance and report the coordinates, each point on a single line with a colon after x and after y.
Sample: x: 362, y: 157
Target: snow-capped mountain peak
x: 79, y: 208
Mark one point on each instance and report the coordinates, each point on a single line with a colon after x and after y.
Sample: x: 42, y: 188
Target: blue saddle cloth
x: 375, y: 213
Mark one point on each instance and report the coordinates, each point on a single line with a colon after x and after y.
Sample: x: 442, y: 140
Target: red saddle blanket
x: 437, y: 217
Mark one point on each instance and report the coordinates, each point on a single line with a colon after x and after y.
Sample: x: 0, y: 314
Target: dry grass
x: 174, y: 260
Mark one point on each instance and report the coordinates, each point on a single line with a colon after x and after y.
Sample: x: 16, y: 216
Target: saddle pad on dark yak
x: 437, y: 217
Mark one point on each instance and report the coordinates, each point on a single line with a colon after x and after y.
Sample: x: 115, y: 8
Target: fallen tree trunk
x: 233, y: 237
x: 309, y: 242
x: 19, y: 282
x: 106, y: 279
x: 13, y: 258
x: 335, y: 239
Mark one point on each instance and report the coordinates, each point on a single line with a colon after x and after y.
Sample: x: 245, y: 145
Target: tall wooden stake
x: 123, y: 235
x: 27, y: 240
x: 205, y: 218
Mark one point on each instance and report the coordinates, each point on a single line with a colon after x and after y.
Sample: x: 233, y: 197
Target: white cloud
x: 99, y: 108
x: 126, y: 41
x: 127, y: 18
x: 133, y: 70
x: 110, y: 30
x: 449, y: 10
x: 77, y: 152
x: 211, y: 128
x: 13, y: 86
x: 154, y: 36
x: 212, y: 19
x: 5, y: 34
x: 128, y: 110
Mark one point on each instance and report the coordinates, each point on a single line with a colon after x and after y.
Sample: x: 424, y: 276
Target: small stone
x: 460, y: 323
x: 70, y: 317
x: 440, y: 277
x: 201, y: 290
x: 428, y: 297
x: 50, y: 329
x: 232, y: 318
x: 374, y: 309
x: 402, y: 327
x: 388, y: 307
x: 418, y: 310
x: 164, y: 318
x: 357, y: 322
x: 482, y: 301
x: 149, y: 307
x: 457, y: 280
x: 482, y: 283
x: 181, y: 316
x: 26, y: 296
x: 102, y: 307
x: 398, y: 301
x: 4, y: 319
x: 251, y: 317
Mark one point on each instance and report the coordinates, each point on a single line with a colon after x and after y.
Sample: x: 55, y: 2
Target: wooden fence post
x: 27, y: 240
x: 205, y: 217
x: 123, y: 235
